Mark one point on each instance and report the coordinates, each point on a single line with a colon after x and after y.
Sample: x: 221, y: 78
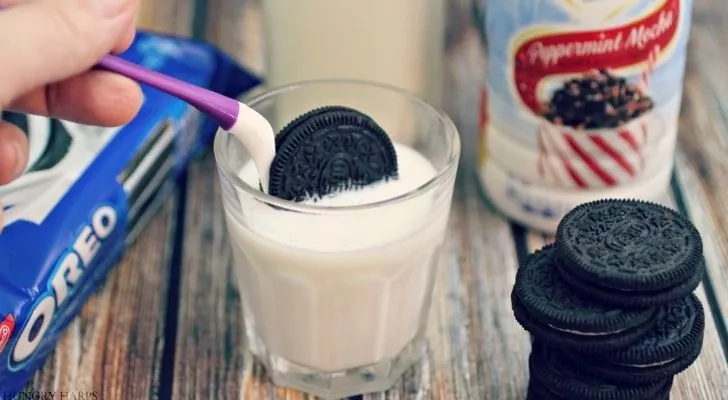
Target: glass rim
x: 449, y: 129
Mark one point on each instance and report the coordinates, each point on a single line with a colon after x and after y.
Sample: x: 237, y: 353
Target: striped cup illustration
x: 592, y: 159
x: 590, y: 156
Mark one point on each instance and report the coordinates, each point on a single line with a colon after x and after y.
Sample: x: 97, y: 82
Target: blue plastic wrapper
x: 87, y: 193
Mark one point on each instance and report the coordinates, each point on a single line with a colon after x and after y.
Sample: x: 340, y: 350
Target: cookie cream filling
x: 656, y: 364
x: 576, y: 332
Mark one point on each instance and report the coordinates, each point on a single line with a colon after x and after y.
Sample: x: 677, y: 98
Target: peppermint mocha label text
x: 636, y: 38
x: 540, y: 55
x: 73, y: 263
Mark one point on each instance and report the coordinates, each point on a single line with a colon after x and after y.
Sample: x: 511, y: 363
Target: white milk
x: 337, y: 291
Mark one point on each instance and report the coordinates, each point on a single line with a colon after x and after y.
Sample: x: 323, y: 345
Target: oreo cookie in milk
x: 556, y: 377
x: 552, y: 312
x: 629, y: 253
x: 87, y: 193
x: 668, y: 349
x: 330, y: 149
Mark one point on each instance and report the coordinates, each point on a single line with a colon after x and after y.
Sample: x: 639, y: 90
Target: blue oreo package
x: 86, y: 194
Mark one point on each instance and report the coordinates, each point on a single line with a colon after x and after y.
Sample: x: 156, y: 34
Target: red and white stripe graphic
x: 588, y: 160
x: 598, y: 158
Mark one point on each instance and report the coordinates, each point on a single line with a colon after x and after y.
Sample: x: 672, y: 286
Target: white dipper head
x: 256, y: 134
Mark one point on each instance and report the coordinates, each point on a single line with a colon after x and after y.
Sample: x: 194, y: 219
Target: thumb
x: 46, y: 41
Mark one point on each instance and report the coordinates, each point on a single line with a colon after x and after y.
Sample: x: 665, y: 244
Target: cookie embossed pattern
x: 303, y: 167
x: 580, y: 103
x: 610, y: 306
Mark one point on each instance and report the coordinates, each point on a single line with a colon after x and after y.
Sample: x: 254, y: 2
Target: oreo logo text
x: 6, y: 331
x: 71, y: 266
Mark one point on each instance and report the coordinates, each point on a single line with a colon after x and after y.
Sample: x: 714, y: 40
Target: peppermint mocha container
x: 581, y: 102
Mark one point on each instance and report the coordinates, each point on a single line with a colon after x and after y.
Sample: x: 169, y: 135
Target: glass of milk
x: 336, y: 293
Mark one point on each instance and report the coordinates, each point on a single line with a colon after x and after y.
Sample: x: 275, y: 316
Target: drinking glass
x: 336, y: 298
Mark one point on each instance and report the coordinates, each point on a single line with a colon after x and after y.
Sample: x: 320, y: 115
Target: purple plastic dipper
x: 251, y: 128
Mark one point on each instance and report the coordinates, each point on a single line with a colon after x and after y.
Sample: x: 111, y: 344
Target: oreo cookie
x: 58, y: 141
x: 292, y: 126
x: 561, y: 377
x: 537, y: 391
x: 670, y: 348
x: 550, y: 310
x: 633, y: 299
x: 628, y: 246
x: 330, y: 149
x: 664, y: 393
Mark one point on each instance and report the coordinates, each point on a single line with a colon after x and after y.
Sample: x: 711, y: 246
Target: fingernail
x: 21, y: 159
x: 107, y: 8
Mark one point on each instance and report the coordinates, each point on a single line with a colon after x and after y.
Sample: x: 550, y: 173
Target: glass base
x: 341, y: 384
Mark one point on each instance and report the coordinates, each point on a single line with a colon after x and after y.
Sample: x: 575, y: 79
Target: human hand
x: 47, y: 48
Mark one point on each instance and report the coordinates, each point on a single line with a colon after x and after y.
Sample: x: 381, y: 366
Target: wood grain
x: 114, y: 347
x: 208, y: 358
x: 702, y: 159
x: 707, y: 378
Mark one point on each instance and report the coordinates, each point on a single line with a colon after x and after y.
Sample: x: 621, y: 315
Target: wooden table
x: 167, y: 323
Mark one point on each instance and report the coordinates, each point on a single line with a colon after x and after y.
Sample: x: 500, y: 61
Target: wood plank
x: 114, y: 348
x: 707, y: 378
x: 209, y: 361
x: 476, y: 350
x: 701, y: 162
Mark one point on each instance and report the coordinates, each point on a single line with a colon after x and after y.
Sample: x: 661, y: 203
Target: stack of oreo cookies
x: 609, y: 305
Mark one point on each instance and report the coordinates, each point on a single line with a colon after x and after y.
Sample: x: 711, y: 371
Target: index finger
x: 58, y: 39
